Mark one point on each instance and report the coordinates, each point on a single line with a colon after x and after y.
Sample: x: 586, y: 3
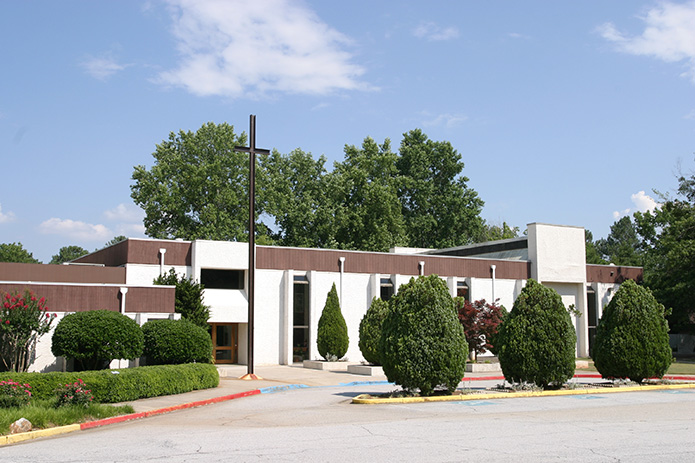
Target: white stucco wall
x: 557, y: 253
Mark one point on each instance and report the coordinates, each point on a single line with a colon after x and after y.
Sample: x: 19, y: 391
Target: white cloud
x: 690, y: 115
x: 643, y: 203
x: 669, y: 35
x: 125, y: 213
x: 102, y: 68
x: 516, y: 35
x: 241, y: 48
x: 75, y: 229
x: 6, y: 217
x: 447, y: 120
x: 435, y: 33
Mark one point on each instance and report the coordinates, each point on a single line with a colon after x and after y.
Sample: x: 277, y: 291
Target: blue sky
x: 563, y: 112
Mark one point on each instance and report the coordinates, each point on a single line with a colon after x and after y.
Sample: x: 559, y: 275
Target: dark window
x: 300, y: 319
x: 222, y: 279
x: 386, y: 289
x: 462, y: 290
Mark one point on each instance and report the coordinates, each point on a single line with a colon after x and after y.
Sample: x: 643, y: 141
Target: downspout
x: 493, y: 267
x: 162, y: 251
x: 342, y: 270
x: 124, y: 291
x: 422, y: 268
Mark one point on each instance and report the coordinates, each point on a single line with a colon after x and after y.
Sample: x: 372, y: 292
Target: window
x: 222, y: 279
x: 462, y: 290
x: 300, y: 319
x: 386, y: 289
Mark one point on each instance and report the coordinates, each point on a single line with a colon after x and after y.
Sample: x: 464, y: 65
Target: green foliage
x: 364, y: 190
x: 169, y: 342
x: 593, y: 256
x: 115, y: 240
x: 632, y: 336
x: 24, y: 318
x: 439, y: 209
x: 198, y: 187
x: 498, y: 232
x: 15, y: 252
x: 189, y: 297
x: 14, y: 394
x: 622, y: 246
x: 122, y: 385
x: 422, y: 345
x: 68, y: 253
x: 370, y: 330
x: 669, y: 263
x: 43, y: 414
x: 537, y: 339
x: 332, y: 337
x: 96, y: 337
x: 73, y: 394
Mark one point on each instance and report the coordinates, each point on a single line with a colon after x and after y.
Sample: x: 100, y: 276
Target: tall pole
x: 252, y: 150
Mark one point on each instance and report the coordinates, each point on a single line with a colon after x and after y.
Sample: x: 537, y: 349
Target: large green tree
x: 189, y: 297
x: 68, y: 253
x: 593, y: 256
x: 15, y: 252
x: 622, y: 246
x: 198, y: 186
x: 668, y: 240
x: 439, y: 209
x: 364, y: 191
x: 299, y: 201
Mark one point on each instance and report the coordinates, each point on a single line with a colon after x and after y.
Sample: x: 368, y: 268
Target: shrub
x: 74, y: 394
x: 632, y: 336
x: 14, y: 394
x: 23, y: 320
x: 332, y: 337
x: 422, y: 345
x: 537, y: 340
x: 370, y: 330
x: 480, y: 322
x: 175, y: 342
x: 189, y: 298
x: 122, y: 385
x: 96, y: 337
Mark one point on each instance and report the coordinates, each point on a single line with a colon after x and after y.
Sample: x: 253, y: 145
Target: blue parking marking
x: 285, y: 387
x: 586, y: 397
x: 476, y: 403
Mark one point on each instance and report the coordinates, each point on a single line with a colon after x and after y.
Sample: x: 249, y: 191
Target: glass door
x: 224, y: 342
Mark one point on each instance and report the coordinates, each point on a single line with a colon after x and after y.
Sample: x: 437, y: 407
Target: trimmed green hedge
x: 174, y: 342
x: 112, y: 386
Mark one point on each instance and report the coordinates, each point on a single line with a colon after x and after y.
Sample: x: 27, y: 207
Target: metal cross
x: 252, y: 150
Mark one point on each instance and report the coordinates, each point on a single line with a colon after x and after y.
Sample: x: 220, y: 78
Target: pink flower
x: 7, y: 322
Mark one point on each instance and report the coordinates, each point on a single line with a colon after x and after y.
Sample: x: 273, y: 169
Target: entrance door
x: 300, y: 319
x: 224, y: 342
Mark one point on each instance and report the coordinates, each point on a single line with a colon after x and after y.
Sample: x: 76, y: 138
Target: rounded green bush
x: 96, y: 337
x: 422, y: 344
x: 632, y: 336
x: 536, y: 341
x: 370, y: 330
x: 172, y: 342
x: 332, y: 336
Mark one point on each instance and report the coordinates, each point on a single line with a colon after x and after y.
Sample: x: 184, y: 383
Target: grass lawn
x: 43, y: 414
x: 679, y: 367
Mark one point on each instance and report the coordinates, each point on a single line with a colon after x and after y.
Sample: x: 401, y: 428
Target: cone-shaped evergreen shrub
x: 422, y: 345
x: 370, y: 330
x: 632, y: 336
x: 332, y: 337
x: 172, y: 342
x: 536, y: 341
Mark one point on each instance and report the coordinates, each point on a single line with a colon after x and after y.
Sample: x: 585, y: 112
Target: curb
x: 20, y: 437
x: 363, y: 399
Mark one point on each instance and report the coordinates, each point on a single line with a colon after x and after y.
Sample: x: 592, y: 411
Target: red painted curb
x: 159, y: 411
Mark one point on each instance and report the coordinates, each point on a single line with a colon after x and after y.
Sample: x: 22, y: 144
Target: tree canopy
x: 68, y: 253
x: 15, y: 252
x: 372, y: 200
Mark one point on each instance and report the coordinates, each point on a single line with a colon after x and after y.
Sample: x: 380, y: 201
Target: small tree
x: 480, y: 321
x: 632, y: 336
x: 68, y: 253
x: 422, y: 345
x: 171, y: 342
x: 96, y: 337
x: 332, y: 337
x: 15, y: 252
x: 23, y: 320
x: 189, y: 297
x: 370, y: 330
x: 537, y: 340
